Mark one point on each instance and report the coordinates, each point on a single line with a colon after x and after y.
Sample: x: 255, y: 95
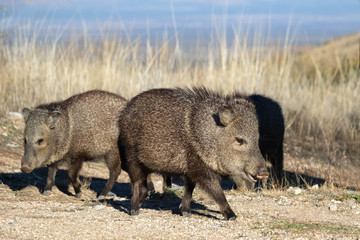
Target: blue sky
x: 314, y: 21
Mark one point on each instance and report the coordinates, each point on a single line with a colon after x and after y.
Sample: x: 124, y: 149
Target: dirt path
x: 307, y: 213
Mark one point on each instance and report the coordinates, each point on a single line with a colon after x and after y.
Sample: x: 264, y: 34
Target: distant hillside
x: 333, y: 60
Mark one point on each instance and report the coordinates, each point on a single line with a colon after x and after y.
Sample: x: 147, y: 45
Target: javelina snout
x: 25, y: 169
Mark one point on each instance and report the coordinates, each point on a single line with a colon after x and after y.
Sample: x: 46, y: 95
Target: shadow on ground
x: 168, y: 201
x: 164, y: 202
x: 19, y: 181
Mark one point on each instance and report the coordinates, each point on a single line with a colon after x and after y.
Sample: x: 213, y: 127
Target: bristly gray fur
x: 80, y: 128
x: 196, y: 133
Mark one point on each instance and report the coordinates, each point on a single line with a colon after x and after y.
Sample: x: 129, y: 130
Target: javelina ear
x: 226, y: 115
x: 26, y: 113
x: 53, y: 119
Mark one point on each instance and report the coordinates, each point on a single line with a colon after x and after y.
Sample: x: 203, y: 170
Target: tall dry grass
x: 321, y: 114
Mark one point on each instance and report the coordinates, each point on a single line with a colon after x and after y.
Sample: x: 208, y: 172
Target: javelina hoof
x: 229, y: 215
x: 47, y: 192
x: 111, y: 194
x: 78, y: 195
x: 186, y: 214
x: 134, y: 212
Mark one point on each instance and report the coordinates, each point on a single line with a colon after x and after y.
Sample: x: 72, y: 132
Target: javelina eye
x: 25, y: 141
x: 40, y: 141
x: 240, y: 140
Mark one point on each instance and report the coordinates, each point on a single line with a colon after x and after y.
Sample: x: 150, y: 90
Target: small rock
x: 11, y: 145
x: 297, y: 191
x: 335, y: 201
x: 15, y: 115
x: 315, y: 187
x: 333, y: 207
x: 5, y: 134
x: 99, y: 207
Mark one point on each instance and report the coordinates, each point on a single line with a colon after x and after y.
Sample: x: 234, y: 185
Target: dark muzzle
x: 25, y: 169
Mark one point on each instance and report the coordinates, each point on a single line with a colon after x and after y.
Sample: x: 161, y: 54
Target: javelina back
x: 80, y: 128
x: 271, y: 129
x: 193, y: 133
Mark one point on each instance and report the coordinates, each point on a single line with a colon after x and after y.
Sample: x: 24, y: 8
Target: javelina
x: 193, y: 133
x: 75, y: 130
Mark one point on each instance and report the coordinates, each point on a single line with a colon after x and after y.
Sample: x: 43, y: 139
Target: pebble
x: 333, y: 207
x: 99, y: 207
x: 11, y: 145
x: 296, y: 190
x: 15, y: 114
x: 315, y: 187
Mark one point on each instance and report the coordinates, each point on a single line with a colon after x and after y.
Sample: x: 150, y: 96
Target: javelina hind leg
x: 74, y: 170
x: 50, y: 181
x: 278, y: 165
x: 213, y: 188
x: 114, y: 164
x: 186, y: 201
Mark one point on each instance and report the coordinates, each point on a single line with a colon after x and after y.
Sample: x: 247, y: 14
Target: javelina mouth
x: 254, y: 178
x: 251, y: 177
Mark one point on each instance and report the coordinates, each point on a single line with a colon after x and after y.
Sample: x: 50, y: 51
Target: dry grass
x: 320, y: 99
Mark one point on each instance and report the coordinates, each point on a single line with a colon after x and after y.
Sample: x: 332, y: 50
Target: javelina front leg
x: 139, y: 194
x: 186, y: 201
x: 74, y: 170
x: 213, y: 188
x: 50, y: 181
x: 114, y: 164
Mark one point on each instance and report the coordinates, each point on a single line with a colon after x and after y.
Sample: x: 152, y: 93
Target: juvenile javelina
x: 81, y: 128
x: 271, y: 129
x: 193, y: 133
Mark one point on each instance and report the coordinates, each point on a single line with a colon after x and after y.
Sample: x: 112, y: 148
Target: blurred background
x: 313, y: 22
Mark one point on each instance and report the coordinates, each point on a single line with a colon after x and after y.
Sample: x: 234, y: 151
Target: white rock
x: 315, y: 187
x: 99, y: 207
x: 11, y: 145
x: 297, y: 191
x: 333, y: 207
x: 15, y: 115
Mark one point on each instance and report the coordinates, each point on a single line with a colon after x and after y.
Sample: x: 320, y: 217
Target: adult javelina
x: 81, y: 128
x: 192, y: 133
x: 271, y: 129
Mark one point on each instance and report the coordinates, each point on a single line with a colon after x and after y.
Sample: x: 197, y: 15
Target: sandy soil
x: 293, y: 213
